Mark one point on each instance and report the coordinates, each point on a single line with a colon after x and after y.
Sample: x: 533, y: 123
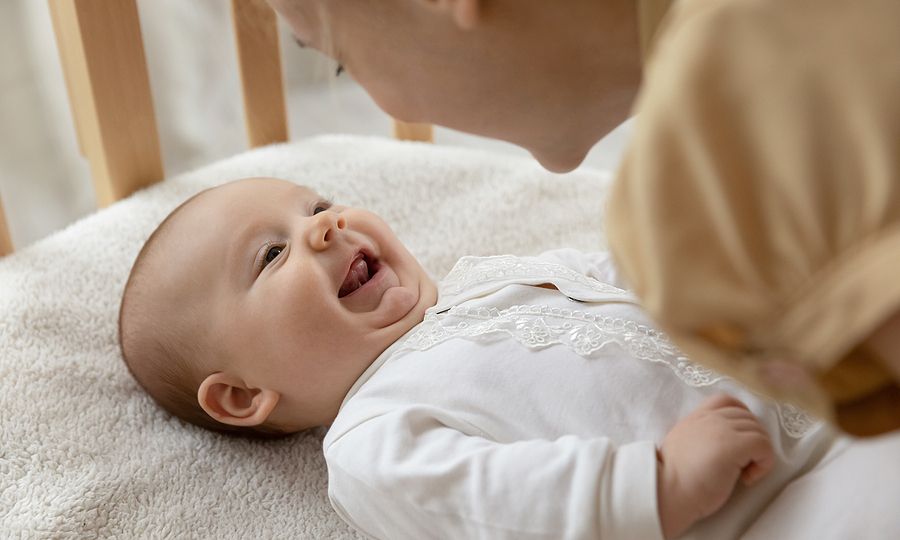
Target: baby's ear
x: 228, y: 399
x: 466, y: 13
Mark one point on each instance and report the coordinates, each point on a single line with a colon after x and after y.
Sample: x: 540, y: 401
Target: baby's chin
x: 402, y: 308
x: 404, y: 304
x: 400, y: 300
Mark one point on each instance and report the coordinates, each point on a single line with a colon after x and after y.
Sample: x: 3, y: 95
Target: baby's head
x: 255, y: 306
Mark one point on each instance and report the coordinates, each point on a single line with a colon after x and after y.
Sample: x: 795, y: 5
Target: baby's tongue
x: 356, y: 277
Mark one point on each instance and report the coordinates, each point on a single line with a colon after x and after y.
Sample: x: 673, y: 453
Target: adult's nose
x: 325, y: 228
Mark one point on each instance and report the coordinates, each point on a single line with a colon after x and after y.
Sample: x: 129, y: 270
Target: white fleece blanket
x: 84, y: 453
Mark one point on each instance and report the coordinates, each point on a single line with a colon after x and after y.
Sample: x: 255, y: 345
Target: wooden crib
x: 102, y: 55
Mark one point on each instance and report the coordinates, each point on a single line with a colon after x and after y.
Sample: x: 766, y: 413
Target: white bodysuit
x: 515, y: 411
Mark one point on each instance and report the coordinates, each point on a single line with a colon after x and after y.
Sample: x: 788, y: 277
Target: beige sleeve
x: 757, y: 211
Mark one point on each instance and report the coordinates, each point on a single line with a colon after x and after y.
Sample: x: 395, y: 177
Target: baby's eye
x: 321, y: 207
x: 272, y: 254
x: 339, y: 70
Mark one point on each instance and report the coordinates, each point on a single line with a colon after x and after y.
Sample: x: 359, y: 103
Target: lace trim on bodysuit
x: 540, y: 326
x: 469, y: 271
x: 794, y: 420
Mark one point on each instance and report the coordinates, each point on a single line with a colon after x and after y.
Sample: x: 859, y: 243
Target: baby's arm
x: 702, y: 458
x: 418, y: 473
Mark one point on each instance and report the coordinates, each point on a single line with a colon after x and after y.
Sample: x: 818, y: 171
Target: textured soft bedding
x: 83, y: 452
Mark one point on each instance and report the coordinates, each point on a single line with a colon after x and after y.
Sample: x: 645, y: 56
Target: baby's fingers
x: 748, y: 425
x: 755, y: 471
x: 720, y: 401
x: 761, y: 457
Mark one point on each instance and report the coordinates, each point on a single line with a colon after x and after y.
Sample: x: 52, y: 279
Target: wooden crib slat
x: 109, y: 91
x: 413, y: 132
x: 6, y: 245
x: 68, y: 60
x: 259, y: 62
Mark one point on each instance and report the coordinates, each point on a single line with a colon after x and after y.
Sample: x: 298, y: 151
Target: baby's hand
x: 702, y: 457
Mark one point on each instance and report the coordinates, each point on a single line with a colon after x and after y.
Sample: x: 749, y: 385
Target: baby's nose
x: 325, y: 228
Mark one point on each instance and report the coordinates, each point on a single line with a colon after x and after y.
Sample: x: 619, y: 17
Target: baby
x: 529, y: 397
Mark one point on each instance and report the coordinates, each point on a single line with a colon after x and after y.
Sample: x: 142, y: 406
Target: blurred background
x: 44, y: 181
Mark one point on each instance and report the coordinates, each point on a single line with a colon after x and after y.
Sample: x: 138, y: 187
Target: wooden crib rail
x: 259, y: 57
x: 102, y: 55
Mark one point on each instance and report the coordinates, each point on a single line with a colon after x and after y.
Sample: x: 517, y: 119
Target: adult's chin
x: 559, y: 162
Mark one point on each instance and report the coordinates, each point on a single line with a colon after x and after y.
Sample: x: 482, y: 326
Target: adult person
x: 757, y: 211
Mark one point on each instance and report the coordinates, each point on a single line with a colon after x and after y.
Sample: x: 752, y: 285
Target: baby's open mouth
x: 361, y: 271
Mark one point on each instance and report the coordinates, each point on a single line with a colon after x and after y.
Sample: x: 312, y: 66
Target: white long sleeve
x: 421, y: 478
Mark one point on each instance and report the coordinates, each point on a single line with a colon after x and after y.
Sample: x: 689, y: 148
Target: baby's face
x: 299, y: 295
